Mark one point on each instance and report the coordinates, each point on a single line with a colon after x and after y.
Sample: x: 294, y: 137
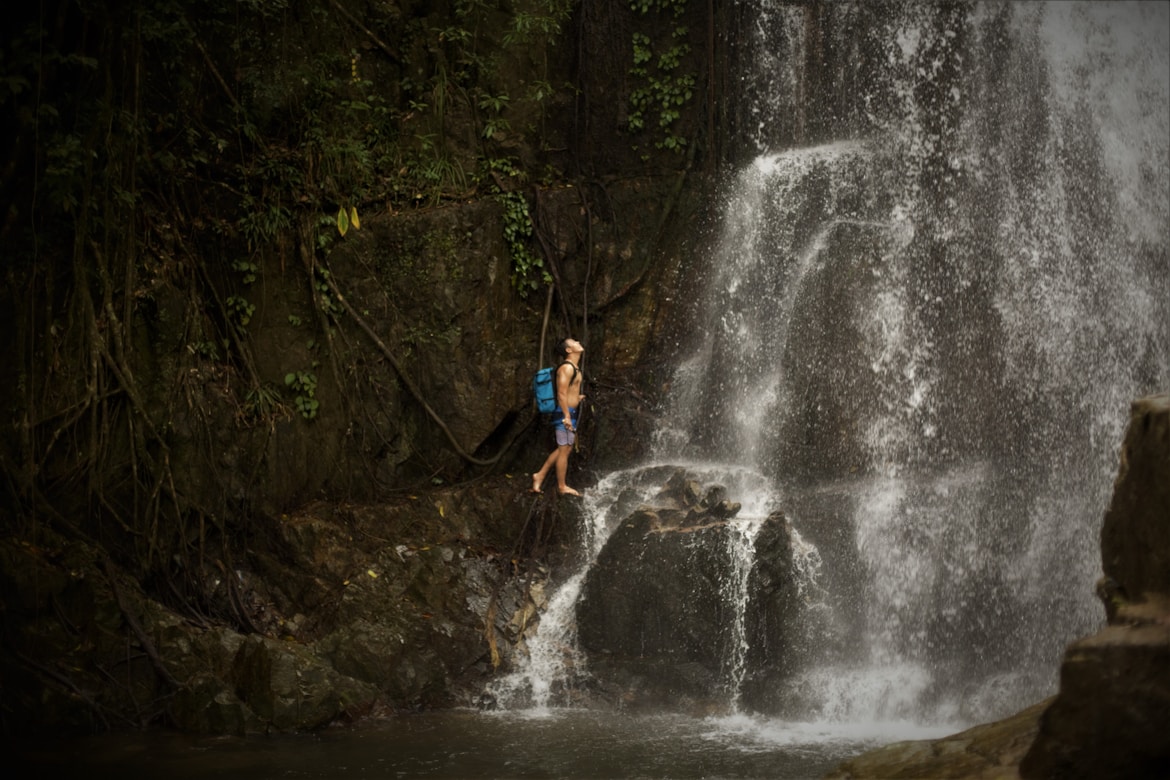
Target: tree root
x: 143, y: 640
x: 411, y: 387
x: 70, y: 686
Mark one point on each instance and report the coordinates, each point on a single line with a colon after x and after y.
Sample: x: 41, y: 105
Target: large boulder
x: 657, y: 617
x: 290, y: 688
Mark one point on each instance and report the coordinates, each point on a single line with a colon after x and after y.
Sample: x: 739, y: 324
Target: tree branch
x: 356, y: 23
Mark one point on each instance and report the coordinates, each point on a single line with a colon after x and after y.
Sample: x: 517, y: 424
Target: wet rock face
x: 774, y: 612
x: 1135, y: 537
x: 658, y: 608
x: 655, y: 591
x: 352, y: 610
x: 1110, y: 718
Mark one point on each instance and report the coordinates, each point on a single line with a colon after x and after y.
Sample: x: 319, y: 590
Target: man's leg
x: 538, y: 477
x: 563, y: 470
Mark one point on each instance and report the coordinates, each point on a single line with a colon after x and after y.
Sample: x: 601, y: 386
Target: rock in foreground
x: 657, y: 619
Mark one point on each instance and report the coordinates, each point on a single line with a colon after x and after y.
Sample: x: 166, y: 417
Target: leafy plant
x: 265, y: 218
x: 204, y: 349
x: 663, y: 91
x: 325, y: 294
x: 247, y: 269
x: 528, y: 270
x: 239, y: 310
x: 495, y: 124
x: 644, y: 7
x: 547, y: 19
x: 347, y: 219
x: 263, y: 402
x: 304, y: 386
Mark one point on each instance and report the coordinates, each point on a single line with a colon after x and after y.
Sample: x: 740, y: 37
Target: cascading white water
x: 550, y: 661
x: 934, y: 331
x: 741, y: 548
x: 924, y: 334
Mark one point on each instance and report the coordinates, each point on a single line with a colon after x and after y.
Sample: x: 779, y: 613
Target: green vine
x: 328, y: 303
x: 657, y: 103
x: 528, y: 271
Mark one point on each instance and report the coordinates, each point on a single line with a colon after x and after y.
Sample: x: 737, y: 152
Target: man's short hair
x: 562, y: 349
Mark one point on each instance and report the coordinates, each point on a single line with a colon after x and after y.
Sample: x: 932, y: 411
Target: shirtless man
x: 569, y: 398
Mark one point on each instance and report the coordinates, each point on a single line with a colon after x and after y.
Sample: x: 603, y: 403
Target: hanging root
x: 143, y: 640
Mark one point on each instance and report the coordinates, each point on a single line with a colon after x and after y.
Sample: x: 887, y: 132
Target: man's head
x: 567, y: 347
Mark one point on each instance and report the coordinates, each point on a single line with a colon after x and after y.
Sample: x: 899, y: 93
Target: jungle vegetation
x: 159, y: 158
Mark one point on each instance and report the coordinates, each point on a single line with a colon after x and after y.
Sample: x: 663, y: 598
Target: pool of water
x: 473, y: 744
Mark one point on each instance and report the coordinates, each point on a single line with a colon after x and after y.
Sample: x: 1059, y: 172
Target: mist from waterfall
x: 926, y: 333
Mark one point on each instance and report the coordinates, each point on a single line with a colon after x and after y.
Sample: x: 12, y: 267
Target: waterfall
x: 939, y: 280
x: 930, y: 330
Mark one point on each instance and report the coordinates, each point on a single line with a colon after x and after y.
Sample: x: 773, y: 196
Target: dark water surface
x: 470, y: 744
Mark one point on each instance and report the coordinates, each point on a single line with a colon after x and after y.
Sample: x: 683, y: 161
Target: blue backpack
x: 544, y: 387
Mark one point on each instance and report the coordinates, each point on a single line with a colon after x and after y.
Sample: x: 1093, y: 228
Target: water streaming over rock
x: 551, y: 664
x: 930, y: 302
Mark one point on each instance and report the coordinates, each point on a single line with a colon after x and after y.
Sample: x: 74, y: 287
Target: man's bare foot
x: 568, y: 491
x: 536, y: 480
